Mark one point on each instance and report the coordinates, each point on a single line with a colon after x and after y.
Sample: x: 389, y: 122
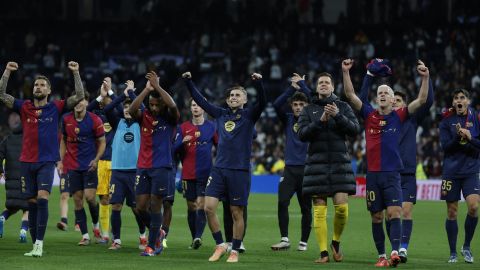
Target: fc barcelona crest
x: 197, y: 134
x: 229, y: 126
x: 38, y: 112
x: 77, y: 130
x: 295, y: 127
x: 154, y: 123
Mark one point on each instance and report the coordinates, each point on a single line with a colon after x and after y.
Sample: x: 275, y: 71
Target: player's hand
x: 104, y: 89
x: 92, y: 166
x: 109, y: 82
x: 187, y: 75
x: 256, y: 76
x: 465, y: 133
x: 295, y: 79
x: 60, y: 167
x: 153, y: 78
x: 347, y: 64
x: 73, y: 66
x: 187, y: 138
x: 130, y: 86
x: 149, y: 87
x: 11, y: 66
x: 331, y: 109
x: 324, y: 117
x: 422, y: 69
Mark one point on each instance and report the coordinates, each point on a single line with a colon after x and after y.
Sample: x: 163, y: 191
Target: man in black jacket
x: 324, y: 124
x: 10, y: 149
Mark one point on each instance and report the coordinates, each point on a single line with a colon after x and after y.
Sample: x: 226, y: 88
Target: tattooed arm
x: 4, y: 97
x: 79, y: 93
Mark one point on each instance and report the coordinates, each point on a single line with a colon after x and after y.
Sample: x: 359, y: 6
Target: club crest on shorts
x: 229, y: 126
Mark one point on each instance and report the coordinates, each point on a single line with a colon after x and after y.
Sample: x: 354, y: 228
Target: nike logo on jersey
x: 315, y: 112
x: 236, y: 199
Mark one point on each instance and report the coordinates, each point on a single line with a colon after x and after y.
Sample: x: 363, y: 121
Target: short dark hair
x: 236, y: 87
x: 43, y: 77
x: 326, y: 74
x: 127, y: 101
x: 299, y: 96
x: 402, y: 94
x: 155, y: 94
x: 463, y: 91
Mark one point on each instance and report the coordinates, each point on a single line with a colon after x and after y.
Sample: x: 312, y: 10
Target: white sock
x: 285, y: 239
x: 86, y: 236
x: 39, y: 242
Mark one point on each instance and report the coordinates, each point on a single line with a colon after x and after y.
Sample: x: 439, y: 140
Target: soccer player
x: 459, y: 139
x: 125, y: 148
x: 382, y: 134
x: 408, y: 154
x: 82, y: 145
x: 194, y: 142
x: 104, y: 164
x: 10, y: 149
x: 40, y: 148
x: 295, y: 154
x: 231, y: 172
x: 154, y: 166
x: 325, y: 124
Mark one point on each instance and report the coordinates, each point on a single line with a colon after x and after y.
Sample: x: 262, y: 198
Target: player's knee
x: 377, y: 217
x: 117, y: 207
x: 473, y: 210
x: 452, y: 213
x: 64, y: 196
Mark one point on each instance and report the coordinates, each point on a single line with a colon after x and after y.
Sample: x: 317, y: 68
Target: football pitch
x: 428, y: 246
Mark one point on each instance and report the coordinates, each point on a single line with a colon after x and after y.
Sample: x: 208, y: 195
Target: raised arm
x: 299, y: 81
x: 4, y: 97
x: 79, y: 92
x: 280, y: 102
x: 425, y: 108
x: 212, y: 110
x: 137, y: 102
x: 348, y: 86
x: 422, y: 95
x: 258, y: 107
x: 173, y: 113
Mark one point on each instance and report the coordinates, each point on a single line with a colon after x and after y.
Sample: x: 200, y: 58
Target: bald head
x: 383, y: 88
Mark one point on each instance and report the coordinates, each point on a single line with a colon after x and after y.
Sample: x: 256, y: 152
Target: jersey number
x: 446, y: 185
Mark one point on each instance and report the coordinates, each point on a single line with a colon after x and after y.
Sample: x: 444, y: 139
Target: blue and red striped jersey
x: 382, y: 133
x: 81, y: 140
x: 40, y: 129
x: 157, y: 136
x: 197, y: 153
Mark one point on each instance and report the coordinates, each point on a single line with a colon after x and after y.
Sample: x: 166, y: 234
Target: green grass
x: 428, y: 248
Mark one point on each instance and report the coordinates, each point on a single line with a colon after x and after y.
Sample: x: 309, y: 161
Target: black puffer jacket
x: 328, y: 167
x: 10, y: 149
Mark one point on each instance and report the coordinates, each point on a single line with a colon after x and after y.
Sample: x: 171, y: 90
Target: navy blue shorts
x: 36, y: 176
x: 64, y: 186
x: 454, y: 186
x: 81, y: 180
x: 192, y: 189
x: 229, y: 184
x: 153, y: 181
x: 122, y: 187
x: 409, y: 188
x: 383, y: 190
x: 171, y: 188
